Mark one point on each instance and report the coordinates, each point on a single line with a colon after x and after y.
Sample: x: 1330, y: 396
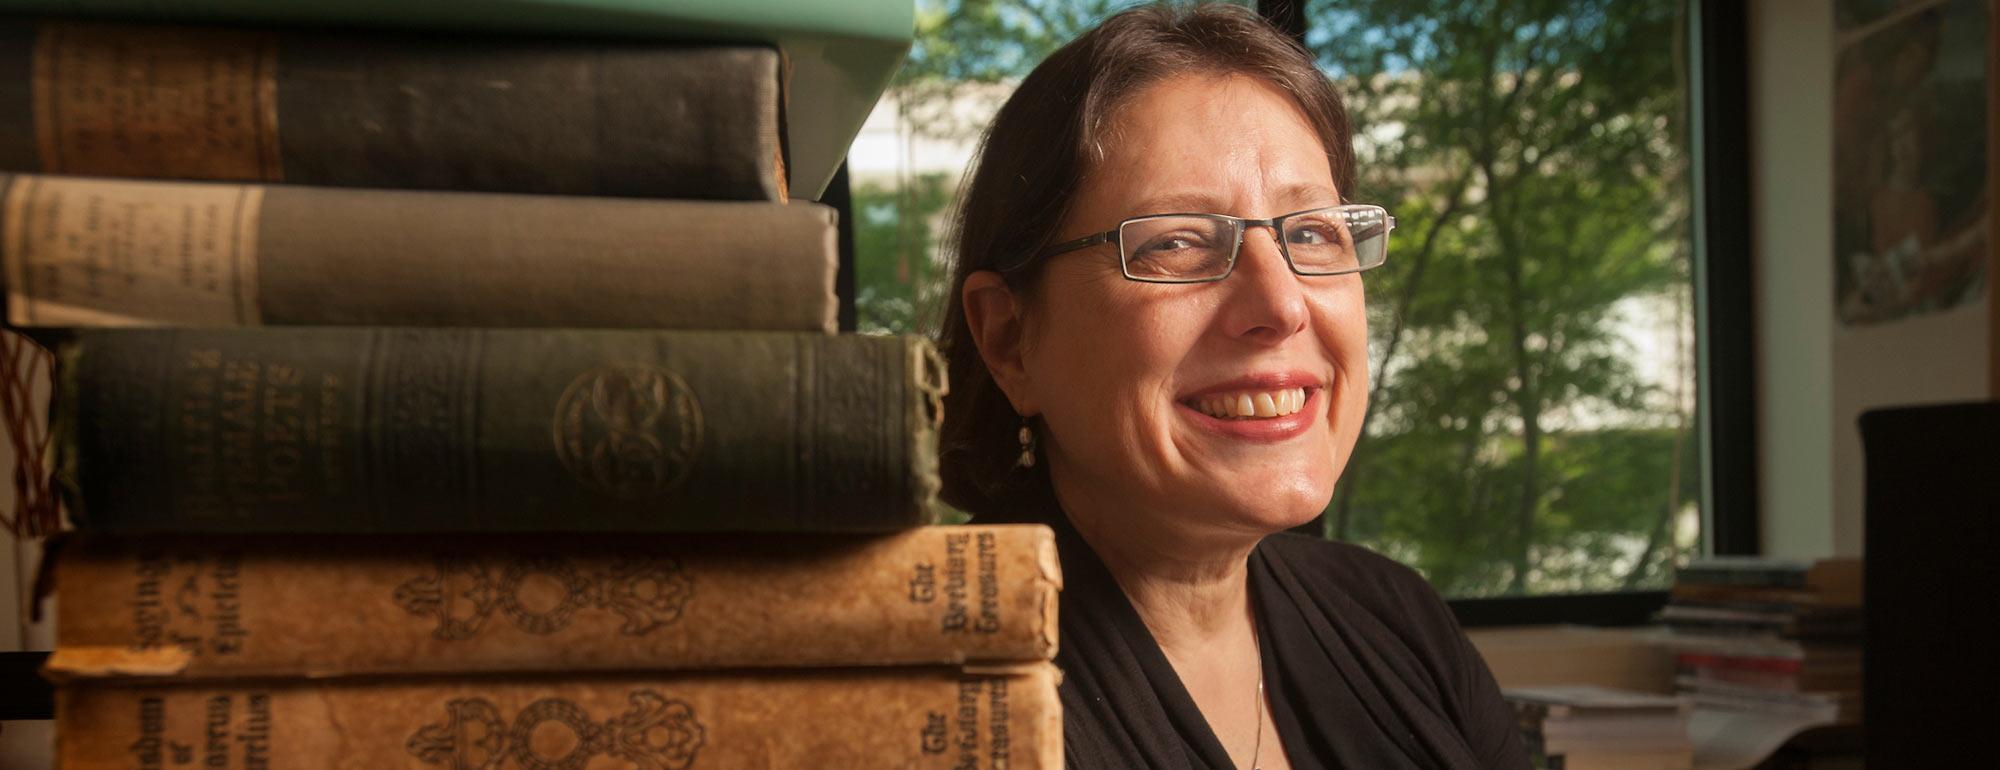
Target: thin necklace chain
x: 1257, y: 752
x: 1257, y: 749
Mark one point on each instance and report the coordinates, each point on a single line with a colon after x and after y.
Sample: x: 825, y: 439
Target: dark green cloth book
x: 404, y: 430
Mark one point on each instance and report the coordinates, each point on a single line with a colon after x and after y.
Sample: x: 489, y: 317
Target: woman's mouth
x: 1252, y: 404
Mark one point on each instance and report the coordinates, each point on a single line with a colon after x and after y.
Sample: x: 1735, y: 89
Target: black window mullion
x: 840, y: 195
x: 1724, y: 311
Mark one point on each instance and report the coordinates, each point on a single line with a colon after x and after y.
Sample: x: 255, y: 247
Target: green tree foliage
x: 1533, y: 151
x: 898, y: 282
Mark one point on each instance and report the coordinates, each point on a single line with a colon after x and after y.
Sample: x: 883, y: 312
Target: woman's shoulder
x: 1397, y: 631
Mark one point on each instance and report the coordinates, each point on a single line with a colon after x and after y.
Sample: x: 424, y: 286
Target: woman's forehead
x: 1290, y: 197
x: 1210, y: 143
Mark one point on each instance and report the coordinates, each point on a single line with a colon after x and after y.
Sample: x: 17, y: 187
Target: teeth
x: 1253, y: 404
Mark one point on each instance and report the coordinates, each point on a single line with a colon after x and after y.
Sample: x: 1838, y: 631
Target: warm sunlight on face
x: 1226, y: 407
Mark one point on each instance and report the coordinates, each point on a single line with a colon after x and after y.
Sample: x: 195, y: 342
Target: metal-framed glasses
x: 1200, y: 248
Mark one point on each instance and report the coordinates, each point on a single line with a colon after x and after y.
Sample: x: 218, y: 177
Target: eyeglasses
x: 1200, y: 248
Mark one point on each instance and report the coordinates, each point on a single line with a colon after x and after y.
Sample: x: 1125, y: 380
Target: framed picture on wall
x: 1912, y: 205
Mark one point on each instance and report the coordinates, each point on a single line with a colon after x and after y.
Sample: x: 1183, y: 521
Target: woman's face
x: 1127, y: 375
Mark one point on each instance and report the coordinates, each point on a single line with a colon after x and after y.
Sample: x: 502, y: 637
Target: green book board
x: 842, y: 52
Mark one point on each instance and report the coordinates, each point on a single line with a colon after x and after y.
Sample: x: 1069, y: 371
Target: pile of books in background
x: 488, y: 415
x: 1586, y: 727
x: 1769, y: 635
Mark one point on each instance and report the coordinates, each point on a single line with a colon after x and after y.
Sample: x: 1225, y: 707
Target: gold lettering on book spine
x: 157, y: 102
x: 628, y: 431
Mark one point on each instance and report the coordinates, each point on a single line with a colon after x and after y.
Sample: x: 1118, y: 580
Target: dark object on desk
x: 24, y: 694
x: 1933, y: 490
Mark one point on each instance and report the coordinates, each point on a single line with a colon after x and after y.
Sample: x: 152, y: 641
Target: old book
x: 1836, y: 576
x: 222, y: 606
x: 1586, y: 727
x: 385, y: 110
x: 913, y: 718
x: 408, y: 430
x: 105, y: 252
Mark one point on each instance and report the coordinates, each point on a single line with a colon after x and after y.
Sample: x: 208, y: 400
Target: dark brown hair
x: 1033, y: 159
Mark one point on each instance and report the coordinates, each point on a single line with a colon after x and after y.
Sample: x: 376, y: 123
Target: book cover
x: 498, y: 114
x: 451, y: 430
x: 220, y: 606
x: 108, y: 252
x: 915, y: 718
x: 842, y: 54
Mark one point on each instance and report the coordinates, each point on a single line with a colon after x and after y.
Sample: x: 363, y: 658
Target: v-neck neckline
x: 1172, y: 692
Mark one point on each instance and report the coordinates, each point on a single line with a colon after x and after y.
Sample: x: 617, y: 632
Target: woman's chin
x: 1278, y: 507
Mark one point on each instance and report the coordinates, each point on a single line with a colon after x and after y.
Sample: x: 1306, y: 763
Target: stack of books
x: 1769, y: 635
x: 486, y: 413
x: 1586, y: 727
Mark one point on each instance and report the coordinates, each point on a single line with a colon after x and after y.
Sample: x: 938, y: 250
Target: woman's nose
x: 1266, y: 303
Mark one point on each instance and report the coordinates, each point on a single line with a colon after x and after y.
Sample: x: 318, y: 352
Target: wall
x: 1791, y: 149
x: 1815, y: 376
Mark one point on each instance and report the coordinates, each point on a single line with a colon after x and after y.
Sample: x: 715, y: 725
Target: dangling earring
x: 1027, y: 438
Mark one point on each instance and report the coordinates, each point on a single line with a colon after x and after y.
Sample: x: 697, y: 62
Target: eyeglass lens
x: 1193, y: 248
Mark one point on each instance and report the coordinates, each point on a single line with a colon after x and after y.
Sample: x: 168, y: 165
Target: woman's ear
x: 995, y: 317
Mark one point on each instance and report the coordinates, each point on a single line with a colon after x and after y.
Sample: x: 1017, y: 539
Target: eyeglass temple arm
x: 1064, y: 247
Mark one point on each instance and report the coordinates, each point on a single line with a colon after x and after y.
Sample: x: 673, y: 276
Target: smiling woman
x: 1158, y: 346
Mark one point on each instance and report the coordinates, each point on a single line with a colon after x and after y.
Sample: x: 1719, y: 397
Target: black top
x: 1364, y: 667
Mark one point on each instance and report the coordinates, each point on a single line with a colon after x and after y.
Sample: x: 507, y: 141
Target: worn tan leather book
x: 915, y: 719
x: 192, y: 607
x: 80, y: 251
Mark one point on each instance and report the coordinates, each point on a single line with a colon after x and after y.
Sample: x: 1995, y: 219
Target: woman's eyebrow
x: 1178, y: 203
x: 1293, y: 197
x: 1305, y: 195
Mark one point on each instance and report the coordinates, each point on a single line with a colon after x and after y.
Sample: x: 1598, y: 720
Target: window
x: 1533, y: 424
x: 1531, y: 421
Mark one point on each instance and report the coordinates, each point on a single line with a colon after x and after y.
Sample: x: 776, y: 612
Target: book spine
x: 388, y: 110
x: 106, y: 252
x: 881, y: 718
x: 939, y: 595
x: 412, y: 430
x: 1742, y: 575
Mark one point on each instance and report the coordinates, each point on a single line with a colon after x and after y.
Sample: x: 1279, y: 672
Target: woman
x: 1168, y: 401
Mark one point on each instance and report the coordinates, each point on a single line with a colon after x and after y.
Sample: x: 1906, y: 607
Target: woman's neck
x: 1190, y: 583
x: 1192, y: 590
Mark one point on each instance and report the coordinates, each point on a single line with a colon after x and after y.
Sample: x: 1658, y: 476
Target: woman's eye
x: 1315, y: 235
x: 1172, y: 243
